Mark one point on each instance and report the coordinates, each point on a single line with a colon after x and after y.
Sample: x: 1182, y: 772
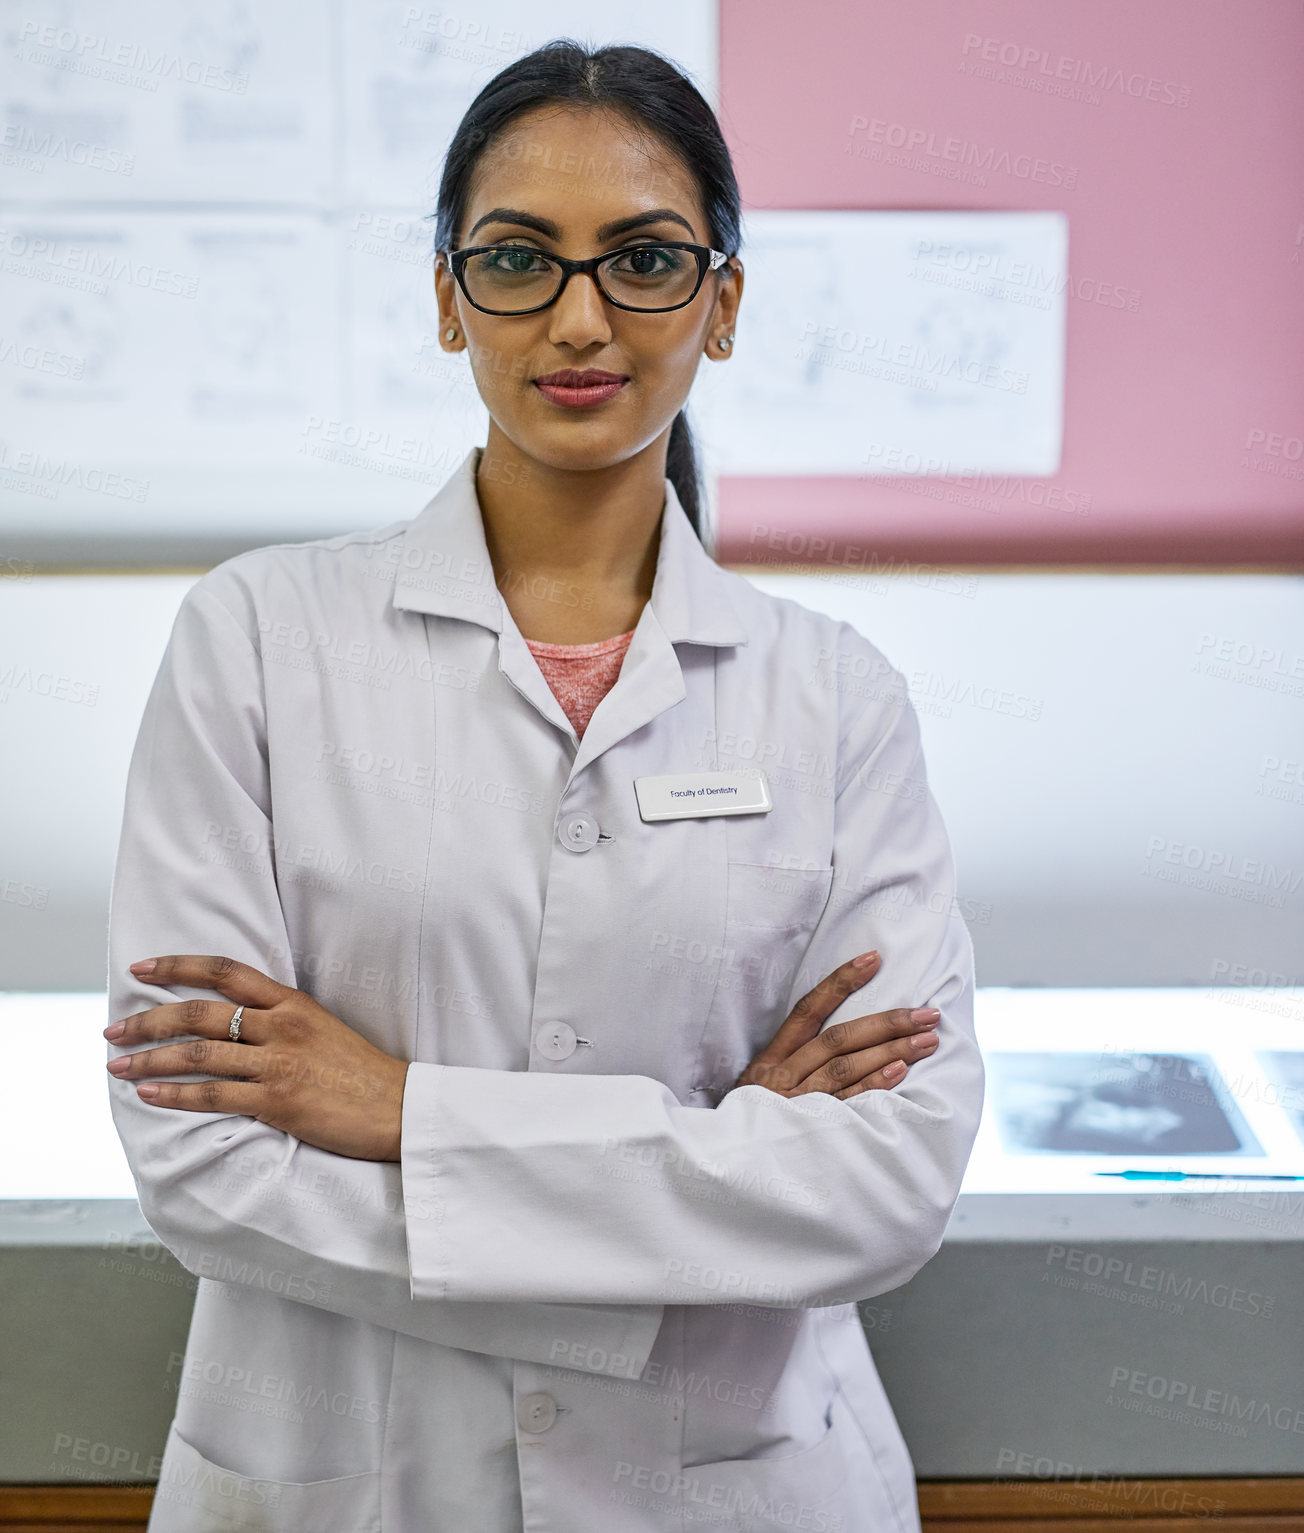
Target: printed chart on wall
x: 216, y: 247
x: 893, y: 343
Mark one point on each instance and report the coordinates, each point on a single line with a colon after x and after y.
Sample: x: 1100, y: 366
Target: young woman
x: 536, y: 1120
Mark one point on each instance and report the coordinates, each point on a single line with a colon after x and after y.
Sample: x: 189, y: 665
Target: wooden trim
x: 1029, y: 1506
x: 74, y: 1508
x: 946, y: 1506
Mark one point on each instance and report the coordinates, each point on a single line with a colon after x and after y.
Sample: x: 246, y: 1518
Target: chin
x: 576, y: 445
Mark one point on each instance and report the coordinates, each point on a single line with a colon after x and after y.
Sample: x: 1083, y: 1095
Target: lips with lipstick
x: 587, y: 387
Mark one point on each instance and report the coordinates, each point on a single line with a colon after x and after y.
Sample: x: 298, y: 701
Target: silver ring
x: 234, y: 1031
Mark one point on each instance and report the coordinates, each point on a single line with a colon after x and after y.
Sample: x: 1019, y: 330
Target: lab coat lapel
x: 445, y: 569
x: 444, y: 566
x: 650, y: 681
x: 520, y: 667
x: 689, y: 605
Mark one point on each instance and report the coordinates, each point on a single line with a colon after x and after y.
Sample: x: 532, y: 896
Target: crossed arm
x: 297, y: 1067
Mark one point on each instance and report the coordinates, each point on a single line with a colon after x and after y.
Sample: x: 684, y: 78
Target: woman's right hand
x: 869, y: 1053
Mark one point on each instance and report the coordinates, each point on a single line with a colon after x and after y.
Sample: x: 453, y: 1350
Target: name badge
x: 690, y: 795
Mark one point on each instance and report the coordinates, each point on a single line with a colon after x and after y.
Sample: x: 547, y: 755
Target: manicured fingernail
x: 145, y: 966
x: 115, y: 1029
x: 865, y: 959
x: 148, y: 1090
x: 926, y: 1014
x: 895, y: 1068
x: 920, y: 1039
x: 120, y: 1065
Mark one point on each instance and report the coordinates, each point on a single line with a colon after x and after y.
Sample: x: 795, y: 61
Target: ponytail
x: 681, y: 470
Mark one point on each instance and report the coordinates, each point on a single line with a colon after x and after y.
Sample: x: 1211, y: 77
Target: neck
x: 574, y: 552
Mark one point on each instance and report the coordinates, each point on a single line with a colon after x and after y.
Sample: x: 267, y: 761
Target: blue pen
x: 1199, y: 1176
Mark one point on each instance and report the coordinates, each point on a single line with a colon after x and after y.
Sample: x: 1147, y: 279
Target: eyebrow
x: 604, y: 232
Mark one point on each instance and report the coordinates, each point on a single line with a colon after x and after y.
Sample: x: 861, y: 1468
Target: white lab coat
x: 598, y: 1295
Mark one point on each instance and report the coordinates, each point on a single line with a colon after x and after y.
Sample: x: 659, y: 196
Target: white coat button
x: 536, y: 1413
x: 556, y: 1040
x: 579, y: 833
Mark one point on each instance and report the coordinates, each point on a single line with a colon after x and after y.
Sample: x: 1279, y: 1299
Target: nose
x: 580, y: 316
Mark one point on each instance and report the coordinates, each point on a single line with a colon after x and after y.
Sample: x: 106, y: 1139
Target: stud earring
x: 451, y: 333
x: 726, y: 342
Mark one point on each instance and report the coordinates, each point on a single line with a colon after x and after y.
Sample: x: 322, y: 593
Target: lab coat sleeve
x: 234, y: 1199
x: 619, y: 1194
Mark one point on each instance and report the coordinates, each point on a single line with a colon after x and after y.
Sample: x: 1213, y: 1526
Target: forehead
x: 579, y: 168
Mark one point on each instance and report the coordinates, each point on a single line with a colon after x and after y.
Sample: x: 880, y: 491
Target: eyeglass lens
x: 514, y: 278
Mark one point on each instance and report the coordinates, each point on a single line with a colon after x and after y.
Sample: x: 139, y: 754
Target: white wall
x: 1072, y: 829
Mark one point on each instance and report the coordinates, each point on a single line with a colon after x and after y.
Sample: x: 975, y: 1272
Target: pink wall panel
x: 1172, y: 133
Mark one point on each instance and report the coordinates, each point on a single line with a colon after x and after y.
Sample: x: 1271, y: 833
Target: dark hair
x: 649, y: 90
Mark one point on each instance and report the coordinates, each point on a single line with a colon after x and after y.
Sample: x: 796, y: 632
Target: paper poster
x: 216, y: 304
x: 892, y: 343
x: 179, y: 100
x: 409, y: 71
x: 190, y: 353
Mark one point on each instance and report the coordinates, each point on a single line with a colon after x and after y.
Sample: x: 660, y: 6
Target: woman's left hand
x: 298, y: 1068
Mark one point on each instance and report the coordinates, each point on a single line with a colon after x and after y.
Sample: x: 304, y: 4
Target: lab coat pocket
x: 197, y: 1495
x: 770, y: 916
x: 798, y: 1490
x: 777, y: 899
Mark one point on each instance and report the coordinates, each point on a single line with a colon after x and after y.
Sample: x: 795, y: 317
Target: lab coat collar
x: 445, y: 569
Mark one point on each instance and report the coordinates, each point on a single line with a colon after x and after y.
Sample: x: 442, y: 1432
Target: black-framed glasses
x: 518, y: 279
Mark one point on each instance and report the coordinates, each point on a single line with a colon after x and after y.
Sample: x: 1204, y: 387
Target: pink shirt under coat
x: 581, y: 675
